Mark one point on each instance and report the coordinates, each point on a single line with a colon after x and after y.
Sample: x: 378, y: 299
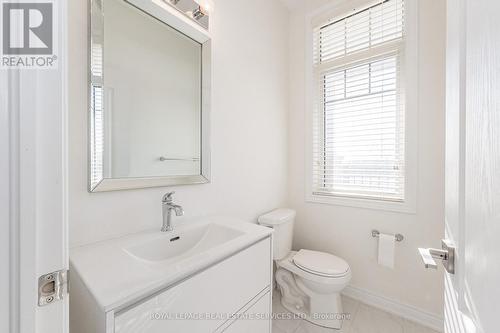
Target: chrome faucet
x: 167, y: 207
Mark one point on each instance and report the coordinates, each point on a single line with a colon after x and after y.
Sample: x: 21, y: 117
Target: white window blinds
x: 358, y: 133
x: 97, y: 136
x: 97, y: 117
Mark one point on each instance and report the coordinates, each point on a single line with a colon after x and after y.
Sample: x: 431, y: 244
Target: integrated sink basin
x: 178, y: 245
x: 121, y: 271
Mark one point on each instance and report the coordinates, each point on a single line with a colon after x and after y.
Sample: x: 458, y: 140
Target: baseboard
x: 403, y: 310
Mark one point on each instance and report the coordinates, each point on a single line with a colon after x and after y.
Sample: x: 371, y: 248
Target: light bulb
x: 206, y: 6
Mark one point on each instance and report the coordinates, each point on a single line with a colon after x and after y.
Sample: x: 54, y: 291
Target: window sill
x: 392, y: 206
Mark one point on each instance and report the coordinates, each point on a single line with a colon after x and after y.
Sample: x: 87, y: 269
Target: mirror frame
x: 179, y: 21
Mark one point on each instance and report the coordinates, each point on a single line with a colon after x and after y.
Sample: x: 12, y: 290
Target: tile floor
x: 364, y: 319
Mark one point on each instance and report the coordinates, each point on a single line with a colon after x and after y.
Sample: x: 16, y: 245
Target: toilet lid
x: 320, y: 263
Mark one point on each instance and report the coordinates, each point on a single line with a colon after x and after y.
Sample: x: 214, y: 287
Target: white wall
x: 249, y: 127
x: 346, y: 231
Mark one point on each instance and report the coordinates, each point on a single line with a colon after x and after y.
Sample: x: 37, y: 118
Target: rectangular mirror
x: 149, y: 97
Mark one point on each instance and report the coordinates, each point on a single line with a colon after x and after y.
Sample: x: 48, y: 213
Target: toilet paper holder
x: 399, y: 237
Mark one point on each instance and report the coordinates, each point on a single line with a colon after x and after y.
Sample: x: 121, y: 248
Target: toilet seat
x: 321, y: 263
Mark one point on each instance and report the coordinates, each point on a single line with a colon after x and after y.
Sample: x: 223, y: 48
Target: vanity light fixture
x: 199, y: 13
x: 205, y: 6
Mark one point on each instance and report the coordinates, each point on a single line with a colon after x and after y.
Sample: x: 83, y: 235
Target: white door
x: 33, y: 236
x: 473, y: 165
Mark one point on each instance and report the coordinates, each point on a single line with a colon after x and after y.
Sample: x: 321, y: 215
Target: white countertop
x: 116, y: 279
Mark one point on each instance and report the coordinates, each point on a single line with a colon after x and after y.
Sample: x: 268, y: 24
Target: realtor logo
x: 28, y: 34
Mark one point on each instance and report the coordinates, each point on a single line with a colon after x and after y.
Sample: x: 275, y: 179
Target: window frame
x: 409, y: 69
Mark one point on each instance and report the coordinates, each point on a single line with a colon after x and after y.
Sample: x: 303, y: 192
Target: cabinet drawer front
x: 254, y: 319
x: 203, y: 302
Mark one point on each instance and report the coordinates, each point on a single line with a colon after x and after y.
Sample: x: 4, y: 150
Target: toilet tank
x: 281, y: 220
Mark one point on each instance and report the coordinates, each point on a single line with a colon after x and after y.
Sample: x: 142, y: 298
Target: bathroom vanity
x: 210, y: 275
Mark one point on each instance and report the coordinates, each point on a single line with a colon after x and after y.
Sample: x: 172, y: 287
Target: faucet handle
x: 168, y: 197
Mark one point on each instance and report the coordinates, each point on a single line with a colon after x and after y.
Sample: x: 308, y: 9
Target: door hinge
x: 52, y: 287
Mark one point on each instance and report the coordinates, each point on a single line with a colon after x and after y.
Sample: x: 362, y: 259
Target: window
x: 359, y: 113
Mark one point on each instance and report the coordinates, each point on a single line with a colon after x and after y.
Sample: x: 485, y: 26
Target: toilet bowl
x: 310, y: 281
x: 321, y: 302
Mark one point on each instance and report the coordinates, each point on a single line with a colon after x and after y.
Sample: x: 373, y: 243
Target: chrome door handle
x: 446, y: 255
x: 428, y: 256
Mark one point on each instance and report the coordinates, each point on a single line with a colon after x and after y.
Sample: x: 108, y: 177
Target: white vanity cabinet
x: 218, y: 292
x: 231, y: 295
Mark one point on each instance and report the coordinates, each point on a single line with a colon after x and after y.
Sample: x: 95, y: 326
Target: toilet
x: 310, y: 281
